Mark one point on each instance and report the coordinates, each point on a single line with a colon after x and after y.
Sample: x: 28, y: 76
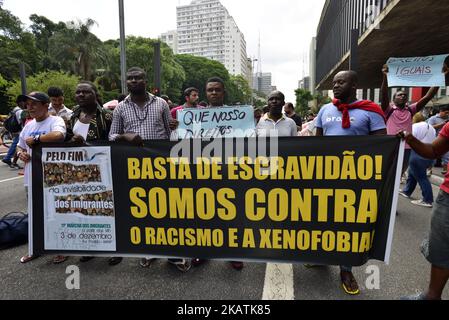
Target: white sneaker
x: 429, y: 173
x: 403, y: 194
x: 421, y: 203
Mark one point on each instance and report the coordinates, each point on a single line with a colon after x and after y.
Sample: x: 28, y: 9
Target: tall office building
x: 206, y: 29
x: 171, y: 39
x: 262, y: 82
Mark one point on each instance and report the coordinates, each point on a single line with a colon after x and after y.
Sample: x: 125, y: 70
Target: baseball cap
x: 37, y: 96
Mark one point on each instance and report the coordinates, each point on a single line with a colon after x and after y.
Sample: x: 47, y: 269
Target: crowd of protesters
x: 141, y: 116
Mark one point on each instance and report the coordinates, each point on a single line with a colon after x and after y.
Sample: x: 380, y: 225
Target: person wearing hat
x: 43, y: 128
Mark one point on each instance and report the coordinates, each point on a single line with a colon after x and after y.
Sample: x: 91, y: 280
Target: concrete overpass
x: 387, y: 28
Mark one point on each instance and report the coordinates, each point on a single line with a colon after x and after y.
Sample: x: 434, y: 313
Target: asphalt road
x: 407, y: 273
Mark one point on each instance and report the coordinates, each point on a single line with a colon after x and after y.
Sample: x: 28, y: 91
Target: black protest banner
x: 322, y: 200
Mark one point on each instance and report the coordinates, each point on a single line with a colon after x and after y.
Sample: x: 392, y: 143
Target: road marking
x: 12, y: 179
x: 278, y: 282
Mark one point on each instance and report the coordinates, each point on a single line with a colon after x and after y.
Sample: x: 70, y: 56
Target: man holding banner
x: 346, y: 116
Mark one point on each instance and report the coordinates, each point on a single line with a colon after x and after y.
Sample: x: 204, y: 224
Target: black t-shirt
x: 297, y: 120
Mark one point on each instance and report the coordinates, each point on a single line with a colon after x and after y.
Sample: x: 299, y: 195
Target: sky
x: 286, y: 27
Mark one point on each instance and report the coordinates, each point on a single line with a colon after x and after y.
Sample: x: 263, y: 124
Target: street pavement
x: 407, y: 273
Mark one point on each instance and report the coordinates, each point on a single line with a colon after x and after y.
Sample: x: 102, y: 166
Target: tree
x: 302, y: 101
x: 198, y: 70
x: 43, y: 81
x: 140, y: 53
x: 4, y: 107
x: 239, y: 91
x: 16, y: 46
x: 43, y: 29
x: 77, y: 49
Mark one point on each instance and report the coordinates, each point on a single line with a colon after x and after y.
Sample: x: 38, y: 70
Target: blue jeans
x: 12, y: 149
x: 417, y: 173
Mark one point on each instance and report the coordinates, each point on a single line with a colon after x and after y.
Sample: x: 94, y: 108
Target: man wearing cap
x: 43, y: 128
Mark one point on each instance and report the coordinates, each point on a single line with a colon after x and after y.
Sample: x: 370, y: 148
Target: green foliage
x: 43, y: 81
x: 4, y: 106
x: 322, y: 100
x: 16, y: 46
x: 239, y: 91
x: 302, y: 101
x: 140, y: 53
x: 77, y: 49
x: 198, y: 70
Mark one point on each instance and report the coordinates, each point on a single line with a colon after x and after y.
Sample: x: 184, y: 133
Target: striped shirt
x: 151, y: 122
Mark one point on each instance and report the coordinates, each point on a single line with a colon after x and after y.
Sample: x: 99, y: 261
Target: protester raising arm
x: 385, y: 97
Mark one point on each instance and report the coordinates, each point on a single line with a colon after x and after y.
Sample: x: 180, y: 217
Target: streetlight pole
x: 122, y: 45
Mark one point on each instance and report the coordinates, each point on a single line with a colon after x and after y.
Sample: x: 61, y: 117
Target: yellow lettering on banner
x: 181, y: 205
x: 248, y: 239
x: 254, y: 196
x: 277, y: 168
x: 316, y: 239
x: 303, y: 240
x: 344, y: 206
x: 140, y: 210
x: 278, y: 205
x: 190, y: 237
x: 365, y: 168
x: 229, y: 211
x: 217, y: 238
x: 232, y: 235
x: 203, y: 237
x: 232, y: 167
x: 203, y: 169
x: 332, y: 168
x: 288, y: 241
x: 307, y: 167
x: 216, y: 169
x: 205, y: 204
x: 157, y: 199
x: 365, y: 242
x: 262, y: 168
x: 343, y: 242
x: 136, y: 237
x: 265, y: 240
x: 323, y: 202
x: 277, y: 239
x: 133, y: 169
x: 301, y: 205
x: 328, y: 241
x: 368, y: 207
x: 247, y: 172
x: 160, y: 171
x: 172, y: 237
x: 161, y: 238
x: 147, y: 172
x: 150, y: 236
x: 355, y: 242
x: 319, y: 168
x: 292, y: 169
x: 348, y: 170
x: 184, y: 170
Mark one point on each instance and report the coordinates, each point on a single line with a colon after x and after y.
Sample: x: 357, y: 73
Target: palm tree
x: 77, y: 49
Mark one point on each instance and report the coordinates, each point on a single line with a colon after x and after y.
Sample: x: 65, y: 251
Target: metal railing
x: 334, y: 32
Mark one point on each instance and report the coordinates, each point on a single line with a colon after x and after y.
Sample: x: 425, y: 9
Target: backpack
x: 13, y: 230
x: 11, y: 124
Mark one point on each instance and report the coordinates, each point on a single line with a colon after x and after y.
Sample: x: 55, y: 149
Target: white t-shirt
x: 32, y: 129
x: 284, y: 127
x: 424, y: 132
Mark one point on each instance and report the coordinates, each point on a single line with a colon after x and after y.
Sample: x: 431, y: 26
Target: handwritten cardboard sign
x: 225, y: 122
x: 416, y: 71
